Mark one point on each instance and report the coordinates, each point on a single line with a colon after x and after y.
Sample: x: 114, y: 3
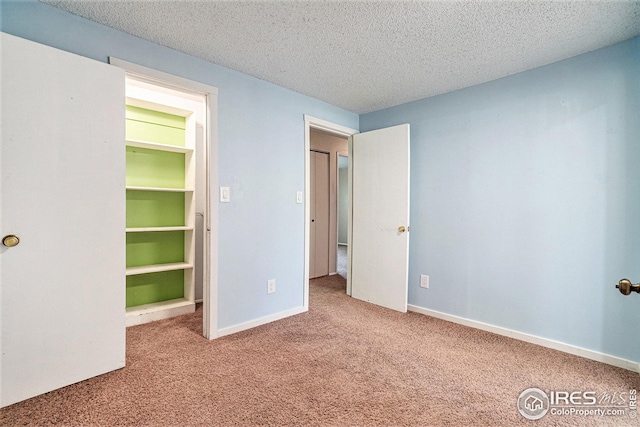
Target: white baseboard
x: 261, y: 321
x: 556, y: 345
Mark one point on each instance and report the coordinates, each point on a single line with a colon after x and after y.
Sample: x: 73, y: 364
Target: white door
x: 319, y: 229
x: 62, y: 300
x: 380, y: 232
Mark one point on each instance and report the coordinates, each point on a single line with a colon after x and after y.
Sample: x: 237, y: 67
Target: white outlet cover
x: 299, y: 197
x: 424, y: 281
x: 271, y: 286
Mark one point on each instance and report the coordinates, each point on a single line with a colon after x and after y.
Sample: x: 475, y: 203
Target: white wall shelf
x: 156, y: 268
x: 156, y: 146
x: 164, y: 286
x: 152, y: 229
x: 165, y: 189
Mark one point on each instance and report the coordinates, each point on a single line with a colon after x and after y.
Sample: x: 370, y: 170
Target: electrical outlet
x: 424, y: 281
x: 271, y: 286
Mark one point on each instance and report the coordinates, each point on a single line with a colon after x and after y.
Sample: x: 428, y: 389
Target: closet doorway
x: 195, y: 222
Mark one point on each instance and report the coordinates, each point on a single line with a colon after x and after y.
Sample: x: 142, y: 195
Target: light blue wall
x: 525, y: 200
x: 261, y: 156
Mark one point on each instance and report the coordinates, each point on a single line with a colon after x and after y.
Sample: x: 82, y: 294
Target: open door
x: 62, y: 313
x: 380, y: 231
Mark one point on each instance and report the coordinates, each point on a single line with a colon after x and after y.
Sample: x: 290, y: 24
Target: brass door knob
x: 401, y: 229
x: 626, y: 287
x: 10, y: 240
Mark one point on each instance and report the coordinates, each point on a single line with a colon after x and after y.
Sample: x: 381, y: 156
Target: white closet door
x: 319, y: 230
x: 312, y: 210
x: 380, y: 234
x: 62, y: 305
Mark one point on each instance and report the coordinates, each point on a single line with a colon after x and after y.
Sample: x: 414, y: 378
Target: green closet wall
x: 154, y: 209
x: 157, y: 206
x: 155, y: 126
x: 154, y: 168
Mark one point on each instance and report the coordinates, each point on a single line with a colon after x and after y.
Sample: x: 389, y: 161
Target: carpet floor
x: 344, y: 363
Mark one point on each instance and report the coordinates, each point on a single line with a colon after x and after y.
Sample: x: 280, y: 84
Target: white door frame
x: 315, y: 123
x: 210, y: 242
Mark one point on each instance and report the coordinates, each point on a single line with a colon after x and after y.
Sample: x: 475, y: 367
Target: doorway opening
x: 325, y: 144
x: 172, y: 149
x: 377, y: 267
x: 323, y: 246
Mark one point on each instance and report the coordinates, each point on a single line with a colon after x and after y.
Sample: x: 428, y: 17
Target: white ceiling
x: 368, y: 55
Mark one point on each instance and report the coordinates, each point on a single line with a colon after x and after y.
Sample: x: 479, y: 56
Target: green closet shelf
x: 154, y: 116
x: 155, y: 126
x: 160, y: 204
x: 156, y: 146
x: 155, y: 229
x: 177, y: 303
x: 153, y: 168
x: 154, y: 287
x: 151, y: 248
x: 156, y: 268
x: 165, y: 189
x: 155, y: 209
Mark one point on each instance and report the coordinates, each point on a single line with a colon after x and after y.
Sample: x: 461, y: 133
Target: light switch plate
x: 299, y: 197
x: 225, y: 194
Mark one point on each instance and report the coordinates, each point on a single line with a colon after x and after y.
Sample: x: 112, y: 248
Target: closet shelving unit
x: 160, y: 187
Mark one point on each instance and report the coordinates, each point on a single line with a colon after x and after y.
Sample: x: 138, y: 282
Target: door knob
x: 626, y: 287
x: 401, y: 229
x: 10, y: 240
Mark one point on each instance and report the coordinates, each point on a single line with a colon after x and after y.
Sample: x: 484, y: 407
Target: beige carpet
x: 344, y: 363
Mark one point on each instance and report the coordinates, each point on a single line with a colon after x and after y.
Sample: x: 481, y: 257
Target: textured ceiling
x: 368, y: 55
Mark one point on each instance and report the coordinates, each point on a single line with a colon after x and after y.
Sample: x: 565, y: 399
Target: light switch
x: 299, y: 197
x: 225, y: 194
